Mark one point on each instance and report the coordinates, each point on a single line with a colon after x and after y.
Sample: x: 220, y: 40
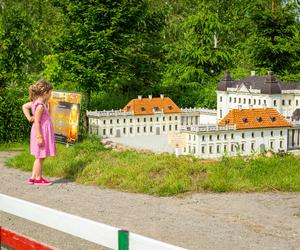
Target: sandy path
x: 197, y: 221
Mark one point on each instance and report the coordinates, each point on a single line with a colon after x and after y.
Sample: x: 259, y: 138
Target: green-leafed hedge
x: 14, y: 126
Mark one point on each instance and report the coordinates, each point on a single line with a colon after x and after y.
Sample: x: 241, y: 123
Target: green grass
x: 90, y: 163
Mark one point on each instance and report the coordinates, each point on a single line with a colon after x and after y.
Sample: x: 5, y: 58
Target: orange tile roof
x: 145, y: 106
x: 254, y: 118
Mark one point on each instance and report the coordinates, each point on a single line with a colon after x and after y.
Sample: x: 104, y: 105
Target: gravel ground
x: 194, y: 221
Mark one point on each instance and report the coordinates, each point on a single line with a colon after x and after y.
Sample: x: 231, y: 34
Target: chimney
x: 270, y: 78
x: 139, y: 97
x: 162, y: 96
x: 150, y: 96
x: 252, y: 72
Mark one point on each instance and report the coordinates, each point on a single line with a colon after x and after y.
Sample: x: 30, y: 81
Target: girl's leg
x: 37, y: 168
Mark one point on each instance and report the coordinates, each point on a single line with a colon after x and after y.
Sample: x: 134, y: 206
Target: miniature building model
x: 145, y: 116
x: 241, y: 131
x: 258, y: 92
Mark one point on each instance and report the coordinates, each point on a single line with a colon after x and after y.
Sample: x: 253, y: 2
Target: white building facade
x: 147, y: 116
x: 258, y: 92
x: 212, y: 142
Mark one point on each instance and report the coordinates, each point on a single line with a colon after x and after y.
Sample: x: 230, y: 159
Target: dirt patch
x: 195, y: 221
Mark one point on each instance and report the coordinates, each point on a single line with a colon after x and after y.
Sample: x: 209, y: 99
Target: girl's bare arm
x: 37, y: 122
x: 26, y: 110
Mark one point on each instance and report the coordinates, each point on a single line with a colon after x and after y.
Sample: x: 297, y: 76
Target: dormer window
x: 170, y: 107
x: 245, y: 119
x: 128, y: 108
x: 156, y: 108
x: 227, y: 121
x: 259, y: 119
x: 273, y: 118
x: 143, y: 108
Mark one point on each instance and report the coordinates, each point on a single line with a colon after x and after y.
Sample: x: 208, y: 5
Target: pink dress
x: 49, y: 147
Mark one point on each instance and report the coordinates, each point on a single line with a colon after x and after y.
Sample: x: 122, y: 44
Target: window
x: 259, y: 102
x: 243, y: 135
x: 164, y: 118
x: 254, y: 101
x: 296, y: 102
x: 262, y: 134
x: 124, y: 120
x: 164, y: 128
x: 138, y: 129
x: 245, y: 119
x: 203, y: 137
x: 144, y: 129
x: 194, y: 150
x: 130, y: 120
x: 232, y: 136
x: 170, y: 127
x: 210, y: 137
x: 218, y: 137
x: 282, y: 103
x: 230, y: 99
x: 232, y: 147
x: 175, y: 118
x: 265, y: 102
x: 104, y: 131
x: 170, y: 107
x: 176, y: 127
x: 259, y: 119
x: 281, y: 144
x: 143, y: 109
x: 111, y: 131
x: 210, y: 149
x: 151, y: 119
x: 252, y: 146
x: 203, y: 149
x: 243, y: 147
x: 225, y: 136
x: 130, y: 130
x: 271, y: 133
x: 110, y: 121
x: 290, y: 102
x: 138, y: 120
x: 274, y: 103
x: 244, y: 100
x: 150, y: 128
x: 104, y: 121
x: 281, y: 133
x: 145, y: 120
x: 249, y: 101
x: 271, y: 145
x: 124, y: 130
x: 194, y: 138
x: 218, y: 148
x: 239, y: 100
x: 220, y: 98
x: 273, y: 118
x: 234, y: 99
x: 157, y: 119
x: 170, y: 118
x: 225, y: 148
x: 118, y: 121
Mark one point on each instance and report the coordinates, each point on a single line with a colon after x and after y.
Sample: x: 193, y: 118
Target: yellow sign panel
x: 64, y: 109
x: 177, y: 140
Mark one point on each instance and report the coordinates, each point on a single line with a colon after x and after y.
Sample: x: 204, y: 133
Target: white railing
x: 108, y: 113
x: 207, y: 128
x: 101, y: 234
x: 199, y: 110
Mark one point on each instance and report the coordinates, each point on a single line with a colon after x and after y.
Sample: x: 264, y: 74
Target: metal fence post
x: 123, y: 242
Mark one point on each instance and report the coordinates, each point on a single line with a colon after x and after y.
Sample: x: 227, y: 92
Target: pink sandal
x: 42, y: 181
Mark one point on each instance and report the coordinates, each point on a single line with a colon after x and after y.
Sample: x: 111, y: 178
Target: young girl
x: 42, y: 142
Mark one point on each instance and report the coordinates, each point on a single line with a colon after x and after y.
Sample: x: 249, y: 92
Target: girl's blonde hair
x: 39, y: 88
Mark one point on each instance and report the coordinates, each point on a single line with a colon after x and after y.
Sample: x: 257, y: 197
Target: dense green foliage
x: 123, y: 48
x: 90, y: 163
